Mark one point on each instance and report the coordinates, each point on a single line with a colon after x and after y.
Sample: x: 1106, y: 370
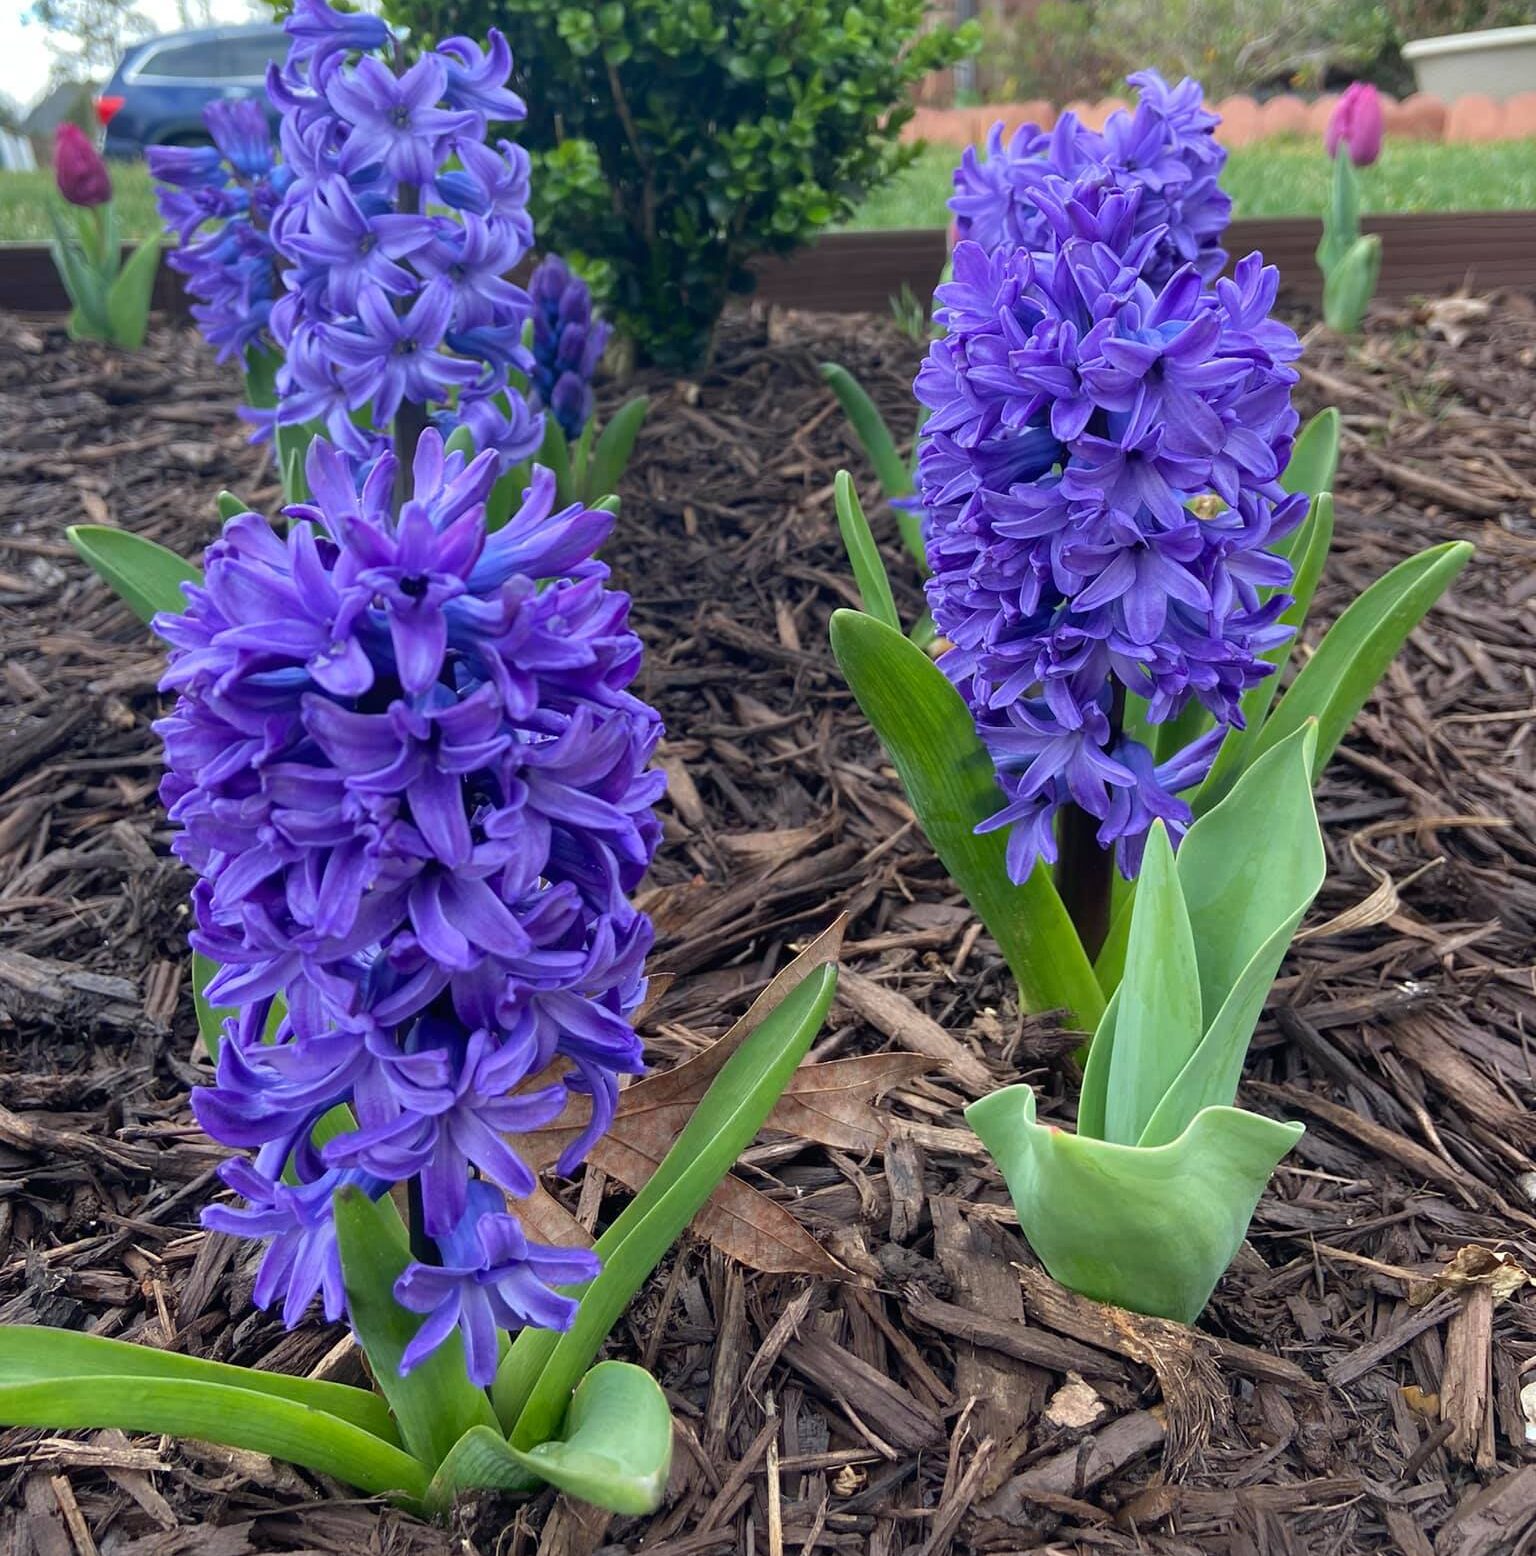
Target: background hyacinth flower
x: 1100, y: 475
x: 1165, y: 147
x: 568, y: 343
x: 219, y: 200
x: 406, y: 766
x: 398, y: 227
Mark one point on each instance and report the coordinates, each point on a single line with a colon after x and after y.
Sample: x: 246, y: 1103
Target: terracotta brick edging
x: 1244, y: 121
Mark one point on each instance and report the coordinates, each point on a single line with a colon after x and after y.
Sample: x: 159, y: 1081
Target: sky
x: 25, y: 59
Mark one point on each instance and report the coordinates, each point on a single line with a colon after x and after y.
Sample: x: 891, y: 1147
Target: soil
x: 1355, y: 1384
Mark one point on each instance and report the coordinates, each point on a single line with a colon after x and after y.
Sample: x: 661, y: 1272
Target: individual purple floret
x: 568, y: 343
x: 219, y: 200
x: 1100, y: 475
x: 399, y: 227
x: 1166, y: 148
x: 406, y: 766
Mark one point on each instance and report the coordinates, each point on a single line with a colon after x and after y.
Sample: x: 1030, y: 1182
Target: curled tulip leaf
x: 1147, y: 1228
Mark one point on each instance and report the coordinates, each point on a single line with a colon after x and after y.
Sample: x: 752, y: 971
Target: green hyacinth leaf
x: 611, y: 453
x: 36, y: 1353
x: 863, y: 554
x: 460, y: 441
x: 1237, y: 750
x: 1314, y: 463
x: 1157, y: 1025
x: 210, y: 1018
x: 870, y: 429
x: 1249, y: 870
x: 928, y: 733
x: 210, y: 1412
x: 1336, y: 681
x: 435, y: 1403
x: 1146, y: 1228
x: 555, y: 455
x: 616, y: 1450
x: 129, y: 295
x: 146, y: 576
x: 231, y: 506
x: 533, y: 1387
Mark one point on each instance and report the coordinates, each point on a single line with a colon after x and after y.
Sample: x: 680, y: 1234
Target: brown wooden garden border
x: 859, y: 272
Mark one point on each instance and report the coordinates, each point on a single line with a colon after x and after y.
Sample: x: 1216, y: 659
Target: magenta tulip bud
x: 82, y: 175
x: 1356, y: 124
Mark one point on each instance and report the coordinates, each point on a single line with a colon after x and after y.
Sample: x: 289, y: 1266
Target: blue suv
x: 158, y: 92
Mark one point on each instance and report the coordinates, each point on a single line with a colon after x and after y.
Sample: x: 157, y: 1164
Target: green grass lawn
x: 1280, y: 178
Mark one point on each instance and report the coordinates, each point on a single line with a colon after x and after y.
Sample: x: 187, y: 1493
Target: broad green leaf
x: 863, y: 554
x: 231, y: 506
x: 212, y: 1413
x: 617, y: 1445
x: 1351, y: 284
x: 128, y: 297
x: 481, y: 1460
x: 1157, y: 1023
x: 870, y: 429
x: 144, y: 574
x: 35, y: 1353
x: 1335, y: 682
x: 210, y: 1018
x: 533, y: 1388
x: 83, y: 281
x: 1238, y: 748
x: 610, y: 455
x: 435, y: 1404
x: 460, y: 441
x: 1248, y: 870
x: 1314, y: 461
x: 555, y: 455
x: 1146, y: 1228
x: 928, y: 733
x: 1109, y: 964
x: 261, y: 378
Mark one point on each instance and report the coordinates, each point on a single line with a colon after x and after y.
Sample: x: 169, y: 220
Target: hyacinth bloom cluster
x: 399, y: 223
x: 1165, y: 148
x: 406, y: 766
x: 219, y: 200
x: 1100, y: 479
x: 568, y: 344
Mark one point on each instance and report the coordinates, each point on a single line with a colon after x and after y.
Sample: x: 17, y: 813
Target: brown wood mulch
x: 1356, y: 1384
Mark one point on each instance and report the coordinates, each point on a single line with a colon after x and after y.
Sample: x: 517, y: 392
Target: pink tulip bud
x: 82, y: 175
x: 1356, y: 124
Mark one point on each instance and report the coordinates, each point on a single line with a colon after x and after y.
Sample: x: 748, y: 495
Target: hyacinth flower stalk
x: 568, y: 341
x: 1349, y: 259
x: 219, y: 201
x: 1165, y: 148
x: 109, y: 295
x: 1125, y: 535
x: 405, y: 764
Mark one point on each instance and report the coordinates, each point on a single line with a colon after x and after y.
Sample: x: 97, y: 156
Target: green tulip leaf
x: 1157, y: 1023
x: 1351, y: 284
x: 533, y: 1386
x: 611, y: 454
x: 1335, y: 682
x: 1146, y: 1228
x: 129, y: 295
x: 211, y: 1412
x: 146, y: 576
x: 863, y: 554
x: 1249, y: 870
x: 1237, y: 750
x: 1314, y: 463
x: 931, y: 740
x: 435, y: 1403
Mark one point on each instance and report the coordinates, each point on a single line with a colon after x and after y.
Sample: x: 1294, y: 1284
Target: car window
x: 216, y: 59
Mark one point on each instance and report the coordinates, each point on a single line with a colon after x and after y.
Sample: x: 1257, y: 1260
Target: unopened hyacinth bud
x: 1166, y: 149
x: 568, y: 343
x: 1356, y: 124
x: 78, y: 168
x: 407, y: 768
x: 219, y: 200
x: 1100, y: 476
